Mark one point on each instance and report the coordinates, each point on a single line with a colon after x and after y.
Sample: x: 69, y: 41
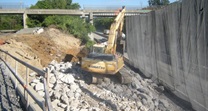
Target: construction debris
x: 68, y: 91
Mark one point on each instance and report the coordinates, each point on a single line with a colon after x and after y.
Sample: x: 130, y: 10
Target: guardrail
x: 43, y: 104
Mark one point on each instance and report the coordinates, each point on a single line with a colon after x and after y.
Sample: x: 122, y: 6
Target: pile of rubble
x: 68, y: 91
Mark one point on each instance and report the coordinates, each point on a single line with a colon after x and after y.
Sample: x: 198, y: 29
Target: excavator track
x: 123, y: 76
x: 91, y: 78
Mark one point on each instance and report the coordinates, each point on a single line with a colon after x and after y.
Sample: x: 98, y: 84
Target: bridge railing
x: 45, y: 105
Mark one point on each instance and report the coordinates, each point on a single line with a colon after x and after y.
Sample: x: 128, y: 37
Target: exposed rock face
x: 68, y: 91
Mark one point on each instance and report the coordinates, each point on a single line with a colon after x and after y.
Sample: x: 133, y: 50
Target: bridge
x: 83, y: 13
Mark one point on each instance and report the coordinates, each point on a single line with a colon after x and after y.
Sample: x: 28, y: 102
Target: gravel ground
x: 9, y: 101
x: 68, y: 91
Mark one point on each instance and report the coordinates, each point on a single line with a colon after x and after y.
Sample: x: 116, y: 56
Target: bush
x: 103, y: 23
x: 8, y: 22
x: 71, y: 24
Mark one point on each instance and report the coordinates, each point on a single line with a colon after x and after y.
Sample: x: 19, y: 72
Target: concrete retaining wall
x: 171, y: 44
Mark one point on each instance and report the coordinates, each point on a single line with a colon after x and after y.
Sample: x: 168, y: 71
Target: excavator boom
x: 116, y: 26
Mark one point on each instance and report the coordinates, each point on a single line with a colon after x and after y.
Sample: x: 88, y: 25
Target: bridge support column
x: 25, y: 20
x: 83, y: 17
x: 91, y: 18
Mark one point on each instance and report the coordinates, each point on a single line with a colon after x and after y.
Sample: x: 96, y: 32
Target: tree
x: 73, y: 24
x: 8, y: 22
x: 165, y: 2
x: 55, y: 4
x: 158, y: 2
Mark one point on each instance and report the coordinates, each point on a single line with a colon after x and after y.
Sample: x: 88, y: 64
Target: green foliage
x: 8, y: 22
x: 71, y: 24
x: 46, y: 4
x: 89, y: 44
x: 158, y: 2
x: 103, y: 23
x: 55, y: 4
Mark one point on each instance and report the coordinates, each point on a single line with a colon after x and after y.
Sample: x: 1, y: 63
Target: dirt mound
x: 39, y: 50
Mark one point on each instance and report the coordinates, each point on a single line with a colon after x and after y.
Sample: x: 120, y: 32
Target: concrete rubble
x: 69, y: 92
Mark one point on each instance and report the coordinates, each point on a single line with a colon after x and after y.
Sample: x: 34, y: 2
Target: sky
x: 102, y: 3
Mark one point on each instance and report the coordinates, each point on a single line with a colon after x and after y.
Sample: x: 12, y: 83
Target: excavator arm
x: 117, y: 25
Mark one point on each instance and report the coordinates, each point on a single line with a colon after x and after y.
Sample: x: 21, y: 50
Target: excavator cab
x: 98, y: 48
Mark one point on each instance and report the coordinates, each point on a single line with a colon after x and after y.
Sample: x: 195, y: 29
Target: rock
x: 57, y: 67
x: 50, y: 93
x: 55, y: 102
x: 118, y: 89
x: 150, y: 104
x: 142, y: 108
x: 62, y: 70
x: 50, y: 85
x: 74, y: 87
x: 64, y: 99
x: 144, y: 84
x: 156, y: 103
x: 150, y: 88
x: 143, y: 96
x: 164, y: 103
x: 51, y: 69
x: 148, y: 80
x: 143, y: 90
x: 127, y: 93
x: 39, y: 87
x: 62, y: 67
x: 94, y: 109
x: 75, y: 103
x: 134, y: 96
x: 68, y: 79
x: 57, y: 86
x: 68, y: 65
x: 59, y: 75
x: 78, y: 90
x: 111, y: 86
x: 128, y: 108
x: 32, y: 74
x: 56, y: 94
x: 44, y: 69
x: 151, y: 95
x: 161, y: 107
x: 139, y: 104
x: 144, y: 101
x: 59, y: 109
x: 32, y: 84
x: 41, y: 93
x: 77, y: 95
x: 83, y: 110
x: 135, y: 85
x: 52, y: 80
x: 42, y: 80
x: 53, y: 62
x: 70, y: 95
x: 62, y: 105
x: 36, y: 81
x: 160, y: 89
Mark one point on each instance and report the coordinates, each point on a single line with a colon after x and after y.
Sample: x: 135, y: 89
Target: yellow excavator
x: 103, y: 59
